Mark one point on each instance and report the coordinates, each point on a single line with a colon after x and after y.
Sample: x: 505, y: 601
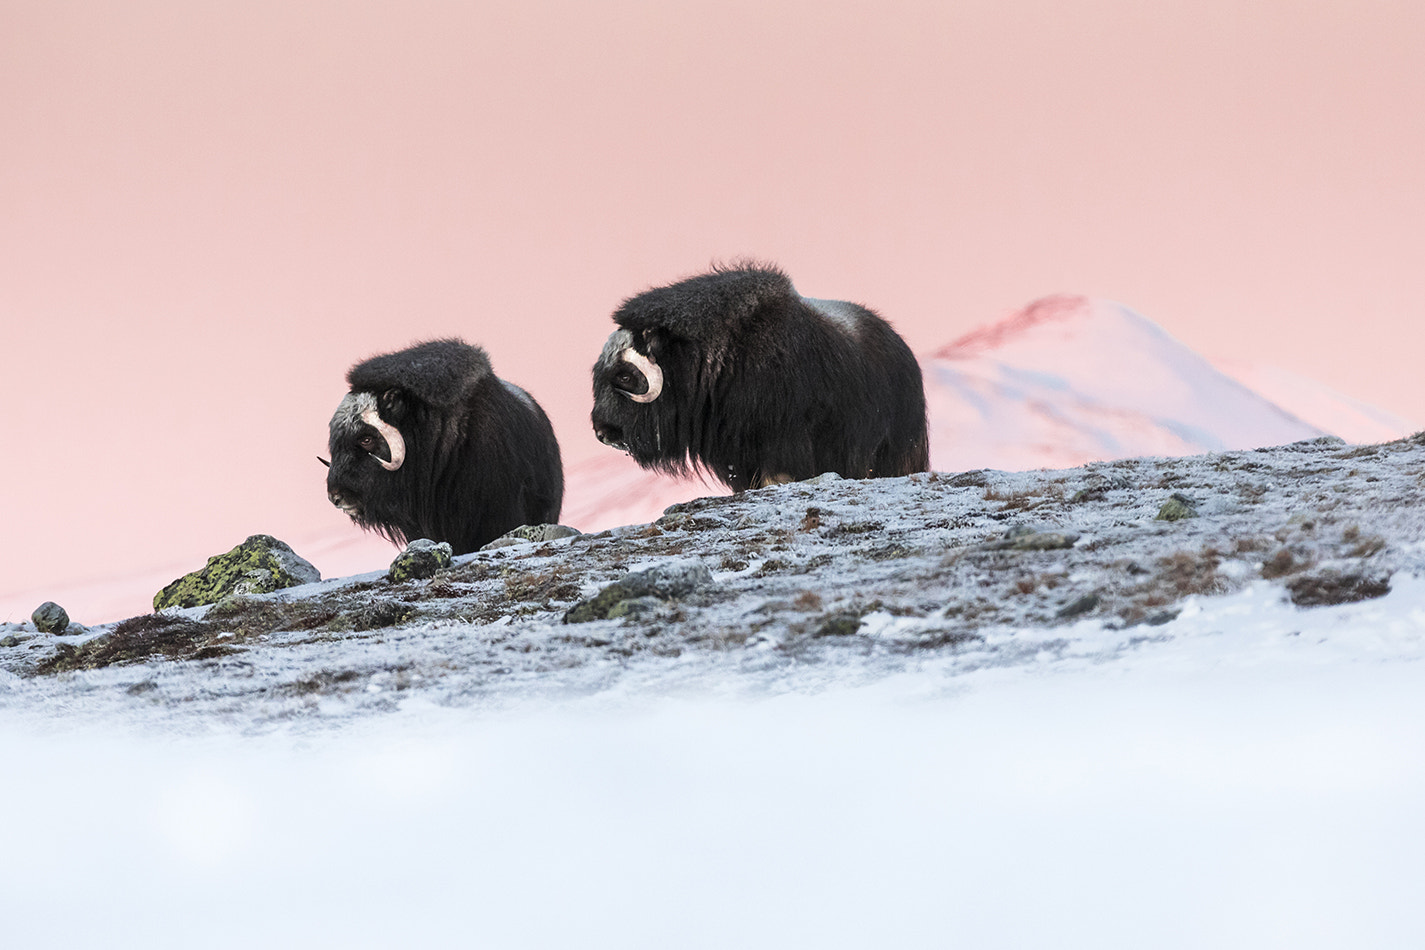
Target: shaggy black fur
x: 761, y: 384
x: 481, y: 457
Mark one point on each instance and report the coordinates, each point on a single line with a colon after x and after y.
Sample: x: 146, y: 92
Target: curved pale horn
x: 650, y: 371
x: 393, y: 439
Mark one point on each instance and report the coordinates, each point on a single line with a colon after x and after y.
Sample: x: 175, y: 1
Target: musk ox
x: 430, y: 443
x: 736, y: 374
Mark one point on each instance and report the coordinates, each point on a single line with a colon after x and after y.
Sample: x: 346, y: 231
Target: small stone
x: 1177, y: 508
x: 50, y: 617
x: 421, y: 559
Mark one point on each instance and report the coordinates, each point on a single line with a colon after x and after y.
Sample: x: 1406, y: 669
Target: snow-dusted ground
x: 904, y: 713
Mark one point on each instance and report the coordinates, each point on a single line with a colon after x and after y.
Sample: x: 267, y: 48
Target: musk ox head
x: 736, y: 374
x: 429, y: 443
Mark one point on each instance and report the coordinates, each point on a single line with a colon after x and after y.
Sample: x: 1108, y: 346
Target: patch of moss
x: 769, y: 567
x: 543, y: 586
x: 598, y: 606
x: 854, y: 527
x: 939, y: 639
x: 1327, y: 589
x: 376, y: 615
x: 319, y: 684
x: 842, y: 624
x: 889, y: 552
x: 138, y: 639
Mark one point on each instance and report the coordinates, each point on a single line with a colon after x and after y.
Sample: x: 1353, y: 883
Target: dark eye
x: 367, y: 442
x: 627, y: 379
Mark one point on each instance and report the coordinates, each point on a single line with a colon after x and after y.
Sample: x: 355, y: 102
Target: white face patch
x: 846, y: 317
x: 618, y: 341
x: 347, y: 417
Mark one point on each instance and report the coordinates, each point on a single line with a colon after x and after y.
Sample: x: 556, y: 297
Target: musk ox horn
x: 650, y: 371
x: 393, y: 439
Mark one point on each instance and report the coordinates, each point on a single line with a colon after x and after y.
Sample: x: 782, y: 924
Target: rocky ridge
x: 785, y: 587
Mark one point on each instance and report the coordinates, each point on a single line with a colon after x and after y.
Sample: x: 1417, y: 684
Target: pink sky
x: 208, y: 211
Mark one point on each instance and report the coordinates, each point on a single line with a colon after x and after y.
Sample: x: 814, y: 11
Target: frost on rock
x: 794, y: 587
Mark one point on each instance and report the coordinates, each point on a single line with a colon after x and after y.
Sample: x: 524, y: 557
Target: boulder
x: 259, y: 565
x: 50, y: 617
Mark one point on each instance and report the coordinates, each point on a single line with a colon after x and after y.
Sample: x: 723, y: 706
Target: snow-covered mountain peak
x: 1069, y: 311
x: 1068, y: 380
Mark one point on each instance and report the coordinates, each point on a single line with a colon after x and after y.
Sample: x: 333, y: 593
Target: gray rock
x: 532, y: 532
x: 50, y: 617
x: 667, y: 581
x: 1078, y: 607
x: 639, y: 591
x: 421, y: 559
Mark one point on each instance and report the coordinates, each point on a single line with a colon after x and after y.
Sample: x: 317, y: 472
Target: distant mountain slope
x: 1355, y: 421
x: 1068, y: 380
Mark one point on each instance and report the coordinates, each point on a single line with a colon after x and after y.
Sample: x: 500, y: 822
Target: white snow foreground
x: 989, y: 710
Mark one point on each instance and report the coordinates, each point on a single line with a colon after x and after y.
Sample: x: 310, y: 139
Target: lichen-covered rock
x: 421, y: 559
x: 259, y: 565
x: 1177, y: 507
x: 50, y: 617
x: 532, y: 532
